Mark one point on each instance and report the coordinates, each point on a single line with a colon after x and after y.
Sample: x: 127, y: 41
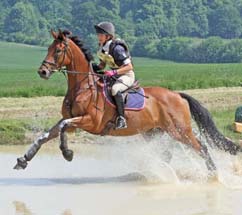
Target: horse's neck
x: 79, y: 64
x: 75, y: 79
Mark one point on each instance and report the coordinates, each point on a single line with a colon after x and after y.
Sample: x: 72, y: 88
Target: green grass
x: 224, y: 121
x: 13, y: 131
x: 181, y: 76
x: 19, y: 64
x: 18, y: 72
x: 19, y: 78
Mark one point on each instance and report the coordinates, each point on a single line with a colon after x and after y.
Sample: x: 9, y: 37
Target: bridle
x: 63, y: 52
x: 90, y: 75
x: 58, y: 51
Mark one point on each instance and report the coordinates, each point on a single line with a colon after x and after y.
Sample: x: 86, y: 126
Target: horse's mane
x: 80, y: 44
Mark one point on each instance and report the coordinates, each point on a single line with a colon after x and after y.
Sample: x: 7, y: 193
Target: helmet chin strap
x: 108, y: 38
x: 107, y: 41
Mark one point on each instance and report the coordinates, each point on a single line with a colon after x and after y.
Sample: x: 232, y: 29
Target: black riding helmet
x: 105, y: 28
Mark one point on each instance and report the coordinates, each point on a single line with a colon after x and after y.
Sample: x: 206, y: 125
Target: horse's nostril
x: 43, y: 72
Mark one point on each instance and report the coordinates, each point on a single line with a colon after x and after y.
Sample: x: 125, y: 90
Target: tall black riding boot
x: 120, y: 121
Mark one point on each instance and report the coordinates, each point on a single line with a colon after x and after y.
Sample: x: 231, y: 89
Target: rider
x: 114, y: 53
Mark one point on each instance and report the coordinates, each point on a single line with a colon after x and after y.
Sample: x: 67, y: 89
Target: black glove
x: 95, y: 67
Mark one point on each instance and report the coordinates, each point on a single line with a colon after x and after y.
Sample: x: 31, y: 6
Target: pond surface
x: 118, y: 178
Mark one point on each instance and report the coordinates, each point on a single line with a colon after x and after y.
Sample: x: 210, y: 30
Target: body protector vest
x: 110, y: 55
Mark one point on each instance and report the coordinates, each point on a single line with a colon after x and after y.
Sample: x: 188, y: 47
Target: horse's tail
x: 207, y: 126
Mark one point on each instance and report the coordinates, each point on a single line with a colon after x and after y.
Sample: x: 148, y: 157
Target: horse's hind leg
x: 208, y: 160
x: 178, y: 125
x: 185, y: 135
x: 34, y: 148
x: 149, y: 135
x: 202, y: 150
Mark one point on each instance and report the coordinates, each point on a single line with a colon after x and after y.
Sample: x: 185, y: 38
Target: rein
x: 65, y: 71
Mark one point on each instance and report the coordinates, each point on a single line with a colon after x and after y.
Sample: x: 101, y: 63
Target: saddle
x: 134, y: 96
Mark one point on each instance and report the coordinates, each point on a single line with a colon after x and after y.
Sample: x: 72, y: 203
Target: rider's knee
x: 115, y: 90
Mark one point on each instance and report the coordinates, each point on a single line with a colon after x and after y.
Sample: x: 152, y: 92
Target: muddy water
x: 125, y: 176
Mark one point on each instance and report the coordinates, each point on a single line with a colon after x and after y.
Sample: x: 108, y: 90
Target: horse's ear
x: 61, y: 35
x: 54, y: 34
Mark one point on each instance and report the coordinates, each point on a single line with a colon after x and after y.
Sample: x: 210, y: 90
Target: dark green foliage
x: 193, y: 50
x: 193, y: 19
x: 146, y: 25
x: 238, y: 115
x: 21, y: 23
x: 225, y: 21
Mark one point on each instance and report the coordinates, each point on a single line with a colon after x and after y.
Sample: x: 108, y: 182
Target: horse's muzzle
x: 44, y: 73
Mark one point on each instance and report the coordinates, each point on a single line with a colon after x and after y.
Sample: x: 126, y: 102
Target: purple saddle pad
x: 134, y: 99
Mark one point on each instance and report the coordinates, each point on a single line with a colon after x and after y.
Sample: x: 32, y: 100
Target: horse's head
x: 58, y: 55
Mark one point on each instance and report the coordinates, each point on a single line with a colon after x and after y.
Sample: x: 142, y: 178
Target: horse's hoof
x: 21, y: 163
x: 212, y: 176
x: 68, y: 154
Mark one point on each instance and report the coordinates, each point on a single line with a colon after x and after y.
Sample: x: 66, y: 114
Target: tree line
x: 180, y: 30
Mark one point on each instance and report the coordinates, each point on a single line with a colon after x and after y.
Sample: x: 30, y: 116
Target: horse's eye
x: 58, y: 51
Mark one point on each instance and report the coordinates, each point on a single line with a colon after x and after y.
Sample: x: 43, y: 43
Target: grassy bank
x: 23, y: 131
x: 19, y: 63
x: 224, y: 122
x: 23, y: 119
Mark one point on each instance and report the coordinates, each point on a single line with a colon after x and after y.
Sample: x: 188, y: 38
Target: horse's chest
x: 78, y: 110
x: 74, y: 108
x: 80, y: 106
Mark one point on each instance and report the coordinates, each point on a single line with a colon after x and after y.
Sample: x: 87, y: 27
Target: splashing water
x: 163, y: 160
x: 149, y: 158
x: 159, y: 160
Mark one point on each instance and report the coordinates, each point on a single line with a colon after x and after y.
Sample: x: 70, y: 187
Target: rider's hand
x: 110, y: 73
x: 95, y: 67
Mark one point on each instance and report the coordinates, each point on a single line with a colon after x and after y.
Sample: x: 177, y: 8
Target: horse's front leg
x: 35, y: 146
x: 84, y: 122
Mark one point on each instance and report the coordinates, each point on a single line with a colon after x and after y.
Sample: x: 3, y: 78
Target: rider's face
x: 102, y: 38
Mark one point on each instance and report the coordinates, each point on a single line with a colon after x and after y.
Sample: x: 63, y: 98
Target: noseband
x: 64, y: 71
x: 58, y: 51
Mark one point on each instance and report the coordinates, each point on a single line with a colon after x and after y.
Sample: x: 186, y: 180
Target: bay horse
x: 84, y: 107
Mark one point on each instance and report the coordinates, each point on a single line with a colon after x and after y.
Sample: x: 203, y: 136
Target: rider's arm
x: 102, y: 65
x: 98, y: 67
x: 124, y: 69
x: 121, y: 56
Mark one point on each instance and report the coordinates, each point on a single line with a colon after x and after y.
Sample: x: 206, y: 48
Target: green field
x: 19, y: 78
x: 181, y: 76
x: 18, y: 72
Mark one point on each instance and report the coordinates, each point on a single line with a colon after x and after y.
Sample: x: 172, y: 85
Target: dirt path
x: 222, y: 98
x: 15, y: 108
